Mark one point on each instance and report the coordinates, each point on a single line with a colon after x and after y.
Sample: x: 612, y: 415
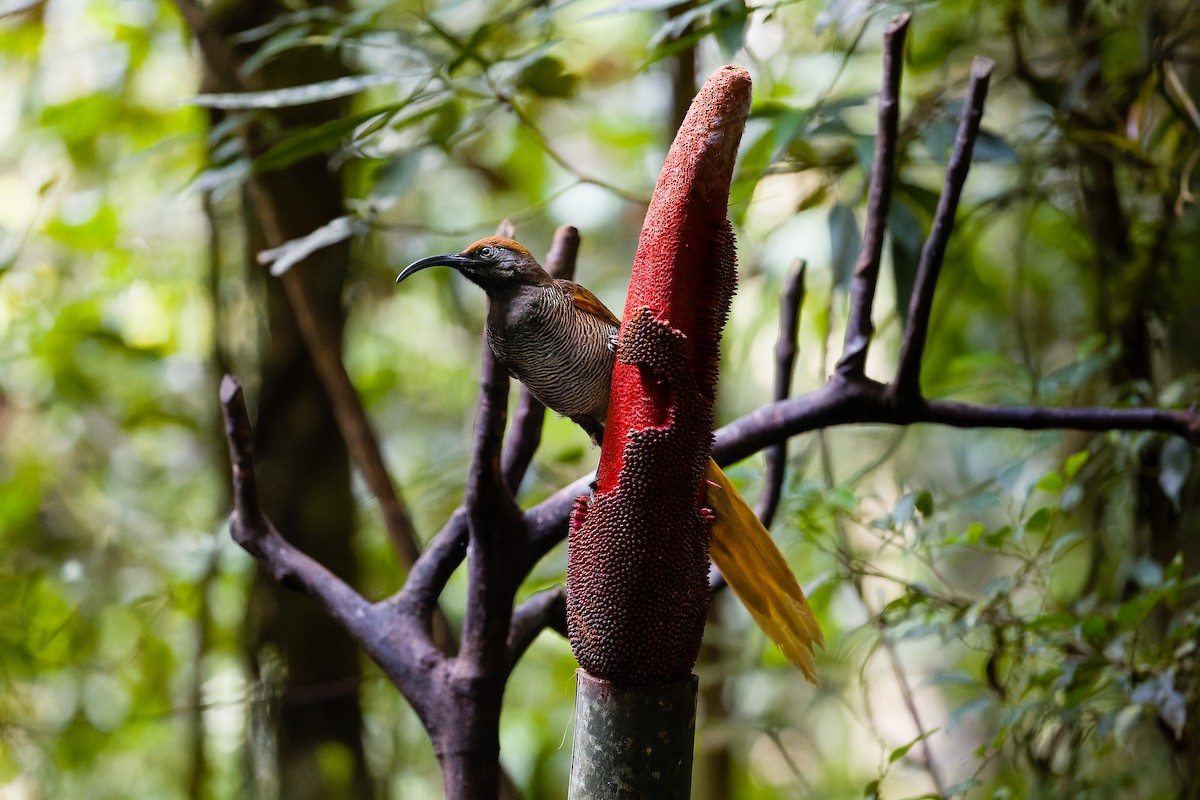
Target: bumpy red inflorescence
x: 637, y: 564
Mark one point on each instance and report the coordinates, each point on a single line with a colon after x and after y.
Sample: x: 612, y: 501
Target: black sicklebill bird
x: 560, y: 341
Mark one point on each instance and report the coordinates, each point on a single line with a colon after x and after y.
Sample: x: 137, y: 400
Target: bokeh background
x: 1009, y: 614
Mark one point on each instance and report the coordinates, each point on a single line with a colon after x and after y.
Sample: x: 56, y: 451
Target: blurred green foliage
x: 1021, y: 607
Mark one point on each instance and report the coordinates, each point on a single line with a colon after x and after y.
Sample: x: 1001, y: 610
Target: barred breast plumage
x: 562, y: 354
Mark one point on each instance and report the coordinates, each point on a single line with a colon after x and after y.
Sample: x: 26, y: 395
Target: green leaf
x: 1074, y: 463
x: 1063, y: 544
x: 962, y: 787
x: 901, y: 751
x: 545, y: 77
x: 288, y: 254
x: 729, y: 21
x: 1040, y: 520
x: 1129, y: 614
x: 1055, y: 620
x: 469, y: 51
x: 999, y: 536
x: 1051, y: 482
x: 318, y: 139
x: 1093, y: 628
x: 287, y: 39
x: 844, y: 239
x: 906, y: 239
x: 632, y: 6
x: 992, y: 147
x: 295, y: 95
x: 1174, y: 468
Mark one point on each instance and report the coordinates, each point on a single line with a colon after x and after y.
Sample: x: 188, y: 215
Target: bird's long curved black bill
x: 446, y: 260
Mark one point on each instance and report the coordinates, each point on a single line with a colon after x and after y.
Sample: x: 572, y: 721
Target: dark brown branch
x: 495, y: 527
x: 449, y: 547
x: 433, y: 569
x: 907, y: 384
x: 866, y: 402
x: 240, y: 436
x: 859, y: 327
x: 526, y: 432
x: 790, y: 301
x: 491, y: 415
x: 377, y: 631
x: 842, y: 403
x: 485, y: 482
x: 547, y: 521
x: 546, y: 609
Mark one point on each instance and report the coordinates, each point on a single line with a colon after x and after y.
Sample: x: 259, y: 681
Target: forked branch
x: 907, y: 384
x: 458, y: 697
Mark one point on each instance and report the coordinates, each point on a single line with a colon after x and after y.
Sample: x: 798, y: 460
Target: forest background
x: 1009, y: 613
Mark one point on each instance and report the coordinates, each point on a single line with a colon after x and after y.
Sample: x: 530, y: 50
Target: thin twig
x: 526, y: 432
x: 790, y: 301
x: 907, y: 384
x: 910, y: 705
x: 846, y: 556
x: 859, y: 327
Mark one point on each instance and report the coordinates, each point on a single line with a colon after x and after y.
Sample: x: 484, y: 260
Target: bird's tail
x: 760, y: 576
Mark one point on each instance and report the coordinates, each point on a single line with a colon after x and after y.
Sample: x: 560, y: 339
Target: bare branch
x: 547, y: 521
x: 859, y: 327
x: 866, y: 402
x: 433, y: 569
x: 240, y: 436
x: 546, y: 609
x: 376, y: 631
x: 495, y: 528
x: 790, y: 301
x: 564, y: 252
x: 842, y: 403
x: 485, y: 484
x: 907, y: 384
x: 526, y: 432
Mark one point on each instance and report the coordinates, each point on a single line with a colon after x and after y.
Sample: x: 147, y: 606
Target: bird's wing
x: 587, y: 302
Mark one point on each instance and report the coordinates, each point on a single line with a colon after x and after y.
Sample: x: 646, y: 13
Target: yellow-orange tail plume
x: 760, y: 576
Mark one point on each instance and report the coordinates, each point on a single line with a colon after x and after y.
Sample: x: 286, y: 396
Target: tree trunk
x: 316, y: 721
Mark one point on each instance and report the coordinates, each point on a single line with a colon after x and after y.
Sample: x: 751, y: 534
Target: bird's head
x: 494, y: 264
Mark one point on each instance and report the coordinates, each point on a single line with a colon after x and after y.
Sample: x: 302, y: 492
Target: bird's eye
x: 487, y: 253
